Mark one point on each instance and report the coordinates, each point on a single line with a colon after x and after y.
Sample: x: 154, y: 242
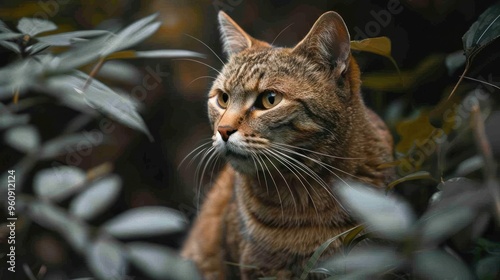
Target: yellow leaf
x: 377, y: 45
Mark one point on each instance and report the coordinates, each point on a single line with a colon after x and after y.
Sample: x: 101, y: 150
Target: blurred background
x: 424, y: 33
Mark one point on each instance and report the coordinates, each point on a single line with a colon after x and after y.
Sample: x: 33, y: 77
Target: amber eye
x: 268, y: 100
x: 223, y: 99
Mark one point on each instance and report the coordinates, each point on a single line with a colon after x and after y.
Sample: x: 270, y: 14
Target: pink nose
x: 226, y: 131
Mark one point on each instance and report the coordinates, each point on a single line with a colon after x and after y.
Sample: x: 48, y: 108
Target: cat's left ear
x: 234, y: 38
x: 328, y: 41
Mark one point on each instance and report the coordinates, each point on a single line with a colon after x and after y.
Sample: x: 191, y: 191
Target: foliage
x: 65, y: 199
x: 454, y: 236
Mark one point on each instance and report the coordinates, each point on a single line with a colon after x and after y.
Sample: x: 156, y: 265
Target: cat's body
x: 292, y: 125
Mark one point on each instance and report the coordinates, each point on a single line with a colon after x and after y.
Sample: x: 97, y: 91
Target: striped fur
x: 274, y: 203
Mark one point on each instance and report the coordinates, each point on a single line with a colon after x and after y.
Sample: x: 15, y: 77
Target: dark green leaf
x: 24, y: 138
x: 387, y: 215
x: 145, y: 221
x: 365, y: 262
x: 58, y: 182
x: 60, y: 145
x: 10, y: 46
x: 66, y: 39
x: 120, y: 71
x: 160, y: 262
x: 37, y: 48
x: 311, y: 263
x: 96, y: 198
x: 33, y: 26
x: 440, y: 224
x: 488, y: 268
x: 4, y: 28
x: 54, y: 218
x: 483, y: 31
x: 437, y: 264
x: 107, y: 259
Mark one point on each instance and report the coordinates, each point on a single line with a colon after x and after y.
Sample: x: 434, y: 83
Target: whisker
x: 193, y: 151
x: 272, y: 43
x: 202, y: 77
x: 192, y: 37
x: 203, y: 173
x: 202, y: 63
x: 314, y: 152
x: 259, y: 161
x: 286, y: 183
x: 275, y: 186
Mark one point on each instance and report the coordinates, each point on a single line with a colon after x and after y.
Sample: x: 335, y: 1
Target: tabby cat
x: 292, y: 125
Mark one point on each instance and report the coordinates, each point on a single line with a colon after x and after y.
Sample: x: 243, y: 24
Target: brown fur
x: 271, y: 208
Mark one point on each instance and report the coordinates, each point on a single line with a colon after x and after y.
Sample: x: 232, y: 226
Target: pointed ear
x: 234, y: 39
x: 328, y: 42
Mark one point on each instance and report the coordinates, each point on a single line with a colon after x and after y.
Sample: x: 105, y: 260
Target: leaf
x: 154, y: 54
x: 33, y: 26
x: 454, y: 61
x: 24, y: 138
x: 37, y: 48
x: 377, y: 45
x: 387, y: 215
x: 65, y: 39
x: 365, y: 262
x: 131, y: 35
x: 64, y: 144
x: 488, y: 268
x: 7, y: 36
x: 469, y: 165
x: 10, y: 46
x: 419, y: 175
x: 311, y: 263
x: 96, y: 198
x: 160, y: 262
x: 58, y: 182
x: 437, y: 264
x: 145, y: 222
x: 438, y: 225
x: 4, y: 28
x: 483, y: 31
x: 107, y: 259
x: 8, y: 120
x: 120, y: 71
x: 54, y: 218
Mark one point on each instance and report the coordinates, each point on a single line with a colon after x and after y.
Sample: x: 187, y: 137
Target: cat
x: 292, y: 125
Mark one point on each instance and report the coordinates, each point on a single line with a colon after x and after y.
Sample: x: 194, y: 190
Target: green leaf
x: 483, y: 31
x: 437, y: 264
x: 454, y: 61
x: 37, y: 48
x: 120, y: 71
x: 488, y: 268
x: 58, y: 182
x: 311, y: 263
x: 60, y: 145
x: 145, y: 222
x: 4, y: 28
x: 33, y: 26
x: 9, y: 120
x: 131, y: 35
x: 66, y: 39
x: 419, y: 175
x: 365, y: 262
x: 107, y: 259
x: 24, y: 138
x: 54, y: 218
x: 10, y: 46
x: 440, y: 224
x: 96, y: 198
x: 7, y: 36
x: 160, y: 262
x: 377, y: 45
x: 387, y: 215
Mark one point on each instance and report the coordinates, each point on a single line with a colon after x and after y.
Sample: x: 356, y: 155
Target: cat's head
x: 267, y: 99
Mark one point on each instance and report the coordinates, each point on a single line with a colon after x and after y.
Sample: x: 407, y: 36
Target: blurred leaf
x: 131, y: 35
x: 437, y: 264
x: 54, y: 218
x: 488, y: 268
x: 107, y: 259
x: 65, y: 39
x: 61, y: 145
x: 489, y: 246
x: 154, y: 54
x: 8, y: 120
x: 352, y: 235
x: 377, y: 45
x: 96, y: 198
x: 7, y: 36
x: 37, y: 48
x: 438, y: 225
x: 120, y: 71
x: 454, y: 61
x: 483, y: 31
x: 419, y: 175
x: 365, y: 262
x: 58, y: 182
x: 24, y: 138
x: 387, y: 215
x: 10, y: 46
x: 311, y: 263
x: 145, y: 222
x: 20, y: 74
x: 160, y: 262
x: 33, y: 26
x: 4, y: 28
x: 469, y: 165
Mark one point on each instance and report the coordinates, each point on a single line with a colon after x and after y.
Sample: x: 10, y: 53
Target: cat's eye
x: 268, y: 99
x: 223, y: 99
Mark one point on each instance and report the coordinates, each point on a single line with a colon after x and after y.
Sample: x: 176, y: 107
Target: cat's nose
x: 226, y: 131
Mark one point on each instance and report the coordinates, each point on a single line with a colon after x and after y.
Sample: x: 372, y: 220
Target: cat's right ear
x: 234, y: 39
